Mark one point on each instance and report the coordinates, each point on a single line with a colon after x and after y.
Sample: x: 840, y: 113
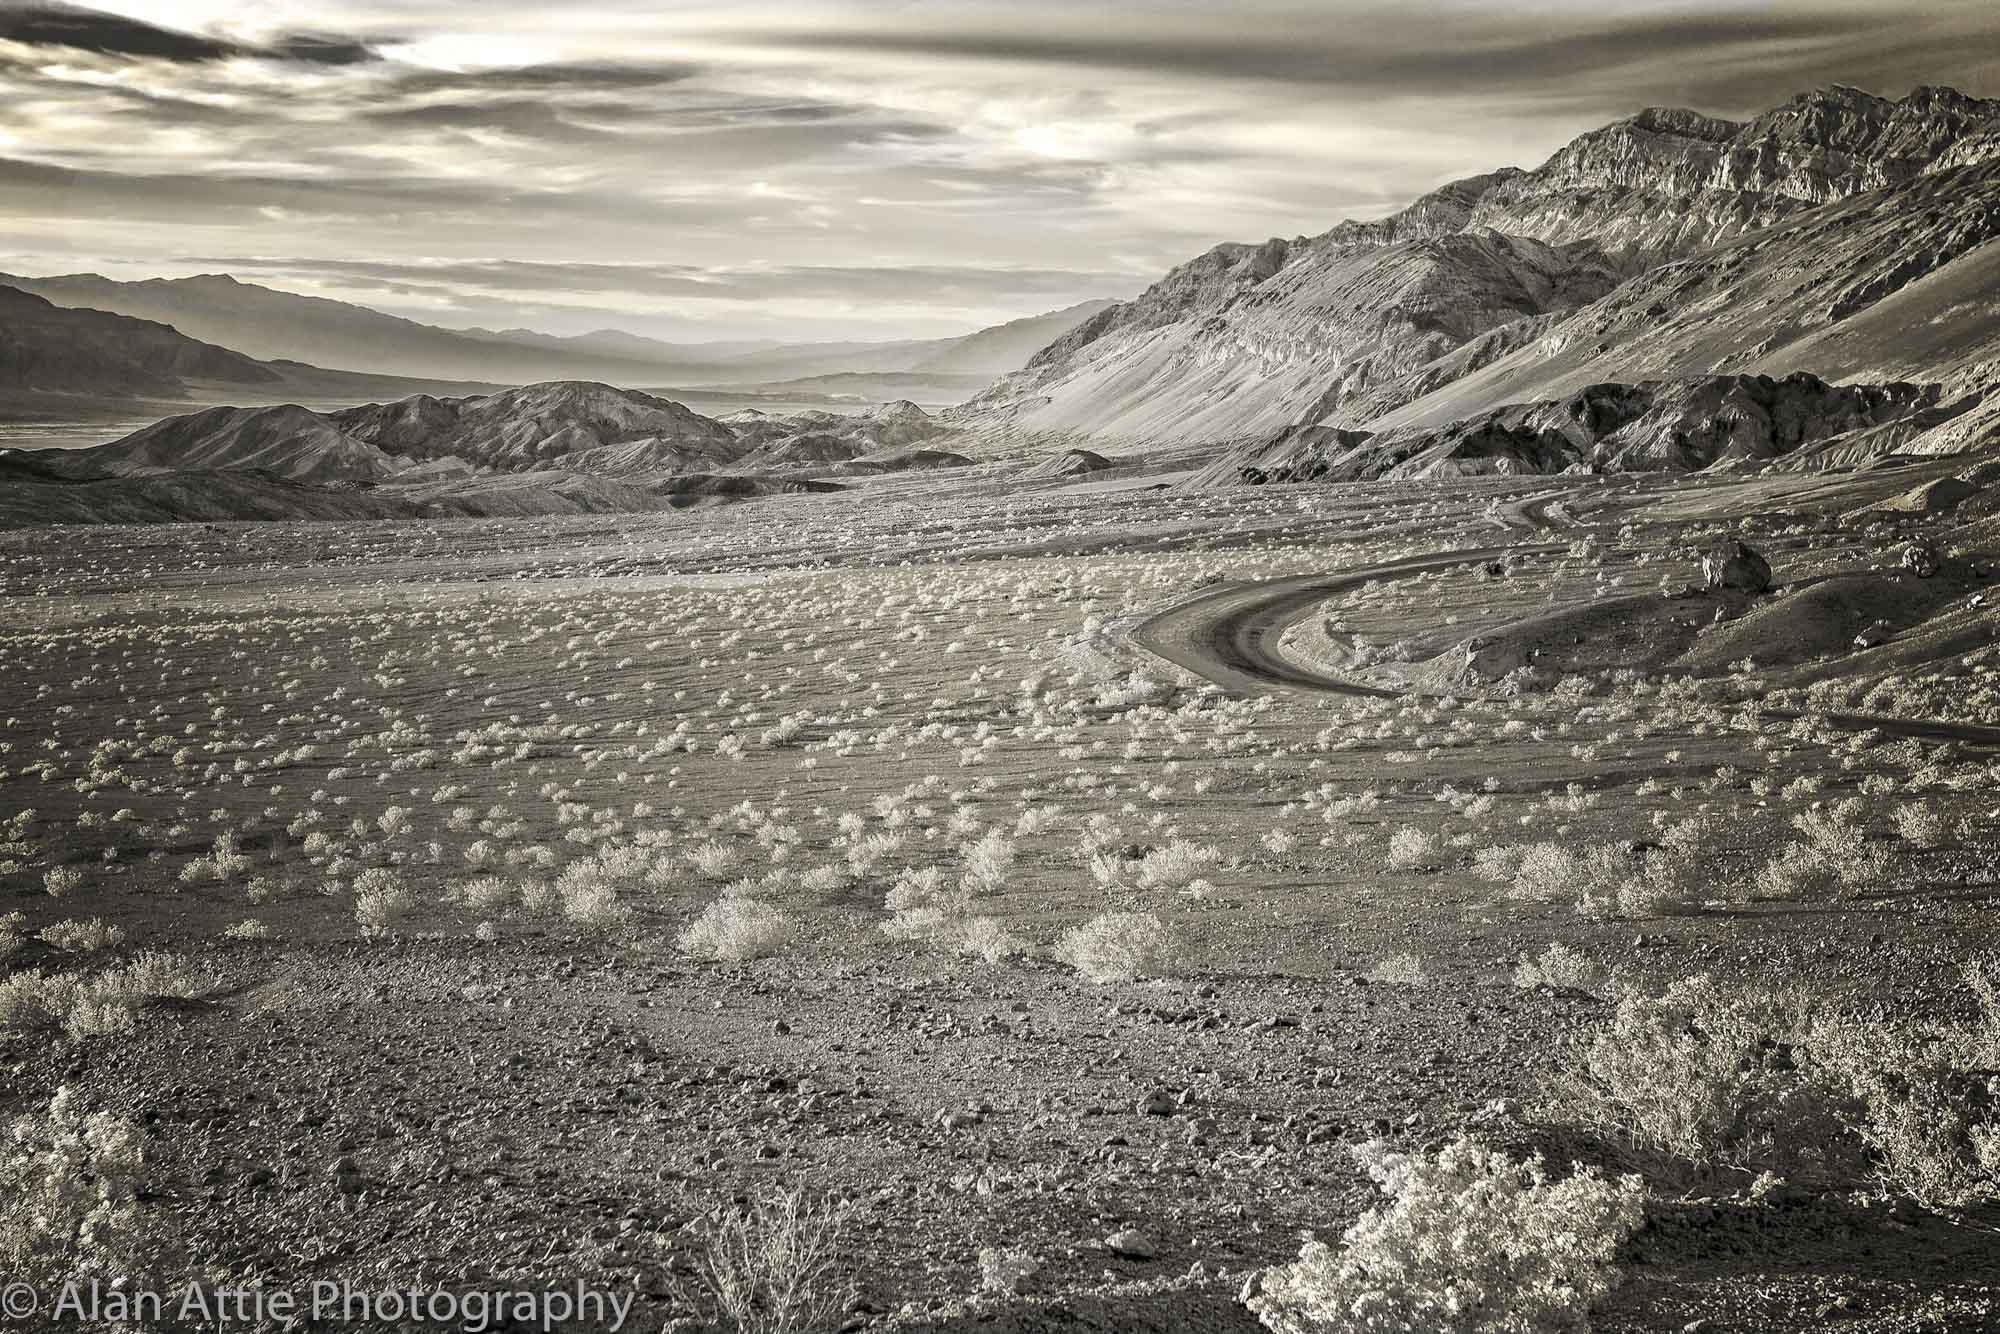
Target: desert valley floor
x: 395, y: 832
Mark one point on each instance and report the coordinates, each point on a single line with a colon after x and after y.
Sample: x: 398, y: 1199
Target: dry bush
x: 1551, y: 873
x: 68, y: 1194
x: 773, y: 1267
x: 1926, y: 1096
x: 1003, y: 1272
x: 1469, y: 1242
x: 1563, y: 969
x: 1119, y: 947
x: 1701, y: 1079
x: 991, y: 942
x: 1412, y: 849
x: 1404, y: 970
x: 736, y: 929
x: 78, y: 1005
x: 82, y: 935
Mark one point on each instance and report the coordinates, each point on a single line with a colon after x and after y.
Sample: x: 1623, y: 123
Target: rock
x: 1157, y: 1103
x: 1736, y: 566
x: 1131, y: 1244
x: 1921, y: 558
x: 1879, y: 633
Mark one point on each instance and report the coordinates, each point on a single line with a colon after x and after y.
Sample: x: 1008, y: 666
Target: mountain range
x: 551, y: 448
x: 1842, y: 235
x: 1809, y: 288
x: 287, y: 326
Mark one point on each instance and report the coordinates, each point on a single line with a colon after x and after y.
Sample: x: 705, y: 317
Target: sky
x: 812, y: 169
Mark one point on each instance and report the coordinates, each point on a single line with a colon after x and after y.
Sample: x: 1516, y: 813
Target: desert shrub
x: 78, y: 1005
x: 773, y: 1266
x: 1119, y: 947
x: 1498, y: 864
x: 1701, y: 1079
x: 1668, y: 879
x: 713, y: 859
x: 1798, y: 871
x: 1551, y: 873
x: 986, y: 938
x: 1469, y: 1242
x: 736, y: 929
x: 989, y: 862
x: 1926, y: 1097
x: 68, y: 1194
x: 1175, y: 865
x: 82, y: 935
x: 247, y: 929
x: 1834, y: 833
x: 1562, y: 968
x: 61, y: 880
x: 1412, y: 849
x: 380, y: 898
x: 1919, y: 825
x: 1003, y: 1272
x: 1400, y: 970
x: 925, y: 904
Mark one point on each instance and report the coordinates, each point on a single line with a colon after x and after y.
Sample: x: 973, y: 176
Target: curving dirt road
x: 1230, y: 636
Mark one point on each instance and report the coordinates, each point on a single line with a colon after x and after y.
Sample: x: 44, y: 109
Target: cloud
x: 944, y: 285
x: 834, y: 161
x: 75, y: 28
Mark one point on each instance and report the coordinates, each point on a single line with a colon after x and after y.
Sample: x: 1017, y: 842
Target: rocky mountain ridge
x: 1340, y: 329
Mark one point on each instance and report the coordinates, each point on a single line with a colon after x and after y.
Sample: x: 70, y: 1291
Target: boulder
x: 1735, y: 565
x: 1920, y: 558
x: 1878, y: 633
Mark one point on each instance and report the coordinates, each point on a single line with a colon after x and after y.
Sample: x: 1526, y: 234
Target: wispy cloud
x: 834, y: 162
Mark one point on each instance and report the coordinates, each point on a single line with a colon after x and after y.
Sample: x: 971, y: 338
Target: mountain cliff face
x: 1653, y: 224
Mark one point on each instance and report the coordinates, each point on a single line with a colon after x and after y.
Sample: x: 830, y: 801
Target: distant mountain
x: 49, y: 349
x: 1005, y: 347
x: 1647, y: 249
x: 277, y: 325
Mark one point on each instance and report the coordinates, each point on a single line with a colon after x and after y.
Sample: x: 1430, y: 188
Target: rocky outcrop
x: 1737, y: 567
x: 1069, y: 463
x: 1672, y: 426
x: 818, y: 440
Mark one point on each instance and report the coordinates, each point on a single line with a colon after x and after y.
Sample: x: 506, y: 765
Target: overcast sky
x: 829, y: 168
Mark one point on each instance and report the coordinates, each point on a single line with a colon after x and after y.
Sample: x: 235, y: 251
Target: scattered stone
x: 1736, y: 566
x: 1131, y: 1244
x: 1921, y: 558
x: 1157, y: 1103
